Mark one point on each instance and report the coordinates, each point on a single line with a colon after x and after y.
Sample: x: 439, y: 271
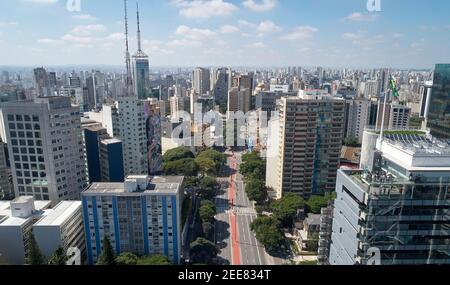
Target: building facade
x: 141, y: 215
x: 45, y: 148
x: 394, y: 210
x: 439, y: 109
x: 56, y: 227
x: 305, y: 153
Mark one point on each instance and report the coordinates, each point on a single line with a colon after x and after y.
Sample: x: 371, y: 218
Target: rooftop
x: 6, y: 218
x: 60, y: 213
x: 138, y: 185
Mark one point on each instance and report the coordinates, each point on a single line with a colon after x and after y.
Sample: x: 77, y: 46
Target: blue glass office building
x: 439, y: 112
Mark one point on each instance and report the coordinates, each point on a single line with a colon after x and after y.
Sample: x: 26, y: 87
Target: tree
x: 34, y: 255
x: 207, y: 228
x: 253, y: 166
x: 351, y: 142
x: 203, y: 251
x: 207, y: 211
x: 316, y: 203
x: 256, y: 190
x: 154, y: 260
x: 210, y: 161
x: 268, y: 232
x: 186, y: 167
x: 178, y: 153
x: 285, y: 209
x: 59, y: 257
x: 127, y: 258
x: 207, y: 187
x: 108, y: 256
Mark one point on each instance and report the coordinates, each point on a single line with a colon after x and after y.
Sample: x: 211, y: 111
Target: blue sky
x: 333, y: 33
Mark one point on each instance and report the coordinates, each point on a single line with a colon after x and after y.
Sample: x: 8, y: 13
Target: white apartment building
x: 125, y: 120
x: 358, y: 113
x: 45, y: 147
x: 52, y: 228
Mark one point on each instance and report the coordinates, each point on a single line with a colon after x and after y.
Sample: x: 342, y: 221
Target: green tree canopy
x: 178, y: 154
x: 207, y: 211
x: 154, y: 260
x: 256, y: 190
x: 268, y: 232
x: 207, y: 187
x: 59, y: 257
x: 210, y: 161
x: 127, y: 258
x: 285, y: 209
x: 316, y: 203
x: 108, y: 256
x: 253, y: 166
x: 203, y: 251
x: 186, y: 167
x: 34, y: 255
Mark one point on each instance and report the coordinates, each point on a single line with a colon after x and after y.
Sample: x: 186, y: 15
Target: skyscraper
x: 305, y: 154
x: 45, y: 148
x: 221, y: 85
x: 201, y: 81
x: 125, y: 119
x: 439, y: 112
x: 395, y: 204
x: 358, y: 112
x: 5, y: 187
x: 141, y: 215
x: 42, y: 82
x: 239, y: 100
x: 141, y: 69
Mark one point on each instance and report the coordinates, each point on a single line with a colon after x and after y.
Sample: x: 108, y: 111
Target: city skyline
x: 230, y: 33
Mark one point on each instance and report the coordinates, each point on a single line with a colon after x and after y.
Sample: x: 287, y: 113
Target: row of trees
x: 200, y: 172
x: 34, y: 255
x: 181, y: 161
x: 253, y: 168
x: 108, y: 257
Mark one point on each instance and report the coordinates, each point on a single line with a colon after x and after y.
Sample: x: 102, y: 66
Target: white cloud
x: 194, y: 33
x: 256, y: 45
x: 45, y: 2
x: 203, y: 9
x: 301, y: 33
x: 397, y: 36
x: 48, y: 41
x: 268, y: 27
x: 88, y: 29
x: 362, y: 17
x: 260, y: 5
x: 86, y: 17
x: 304, y: 50
x: 228, y: 29
x: 246, y: 24
x: 8, y: 24
x: 361, y: 39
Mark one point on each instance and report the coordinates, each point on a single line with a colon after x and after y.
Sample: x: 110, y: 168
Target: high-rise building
x: 244, y: 81
x: 125, y: 120
x: 104, y: 156
x: 74, y: 80
x: 42, y: 82
x: 152, y: 111
x: 141, y: 215
x: 141, y: 67
x: 357, y: 117
x: 304, y: 155
x: 221, y: 86
x: 201, y: 81
x: 239, y: 100
x: 393, y: 210
x: 425, y: 92
x: 439, y: 111
x: 61, y: 226
x: 372, y: 89
x: 5, y: 187
x: 45, y: 148
x: 396, y: 116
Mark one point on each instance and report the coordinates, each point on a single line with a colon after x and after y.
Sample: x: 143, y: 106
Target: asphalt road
x: 251, y: 251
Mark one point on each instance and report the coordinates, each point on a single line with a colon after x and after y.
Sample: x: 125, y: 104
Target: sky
x: 329, y: 33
